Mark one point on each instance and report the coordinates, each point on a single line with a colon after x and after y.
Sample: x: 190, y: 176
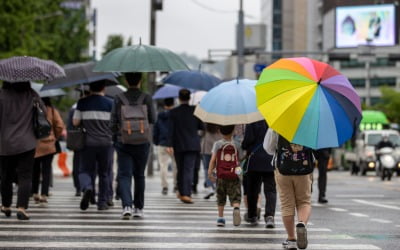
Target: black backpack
x: 294, y: 159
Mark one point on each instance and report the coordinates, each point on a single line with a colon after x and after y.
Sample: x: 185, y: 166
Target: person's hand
x: 170, y: 150
x: 211, y: 176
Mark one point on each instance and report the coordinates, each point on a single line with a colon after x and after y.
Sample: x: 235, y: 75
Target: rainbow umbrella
x: 308, y: 102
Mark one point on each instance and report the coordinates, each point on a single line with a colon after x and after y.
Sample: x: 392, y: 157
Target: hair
x: 184, y: 95
x: 17, y: 86
x: 212, y: 128
x: 97, y: 86
x: 47, y: 102
x: 169, y: 102
x: 227, y: 129
x: 133, y: 79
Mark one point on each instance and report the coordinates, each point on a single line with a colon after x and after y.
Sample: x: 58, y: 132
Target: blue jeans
x: 206, y: 162
x: 132, y: 160
x: 92, y: 159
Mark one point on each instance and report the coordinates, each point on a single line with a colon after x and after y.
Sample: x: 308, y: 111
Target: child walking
x: 225, y: 160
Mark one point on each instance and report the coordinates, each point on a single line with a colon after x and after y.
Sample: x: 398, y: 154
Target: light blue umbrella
x: 167, y: 91
x: 232, y: 102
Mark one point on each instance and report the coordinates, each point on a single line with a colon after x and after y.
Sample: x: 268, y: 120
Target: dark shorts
x: 230, y: 188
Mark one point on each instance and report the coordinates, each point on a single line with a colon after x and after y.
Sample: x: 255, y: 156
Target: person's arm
x: 270, y: 141
x: 151, y: 114
x: 58, y: 123
x: 76, y: 120
x: 156, y: 132
x: 211, y: 167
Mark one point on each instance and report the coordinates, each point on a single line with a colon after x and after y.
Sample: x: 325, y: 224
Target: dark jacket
x: 253, y: 139
x: 16, y: 127
x: 132, y: 94
x: 161, y: 129
x: 183, y: 136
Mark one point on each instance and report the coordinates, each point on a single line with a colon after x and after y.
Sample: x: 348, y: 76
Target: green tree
x: 390, y: 104
x: 113, y: 42
x: 43, y: 29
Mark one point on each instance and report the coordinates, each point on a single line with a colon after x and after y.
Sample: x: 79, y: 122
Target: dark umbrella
x: 192, y: 79
x: 110, y: 91
x: 26, y: 68
x: 81, y: 73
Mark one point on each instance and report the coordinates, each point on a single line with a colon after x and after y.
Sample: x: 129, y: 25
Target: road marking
x: 376, y: 204
x: 336, y: 209
x: 160, y: 227
x: 359, y: 215
x: 166, y: 235
x: 382, y: 221
x: 175, y: 245
x: 360, y: 195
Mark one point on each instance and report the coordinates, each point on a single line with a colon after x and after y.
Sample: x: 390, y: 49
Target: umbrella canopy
x: 192, y: 79
x: 196, y: 97
x: 374, y: 116
x: 230, y: 103
x: 140, y: 58
x: 46, y: 93
x: 167, y: 91
x: 81, y: 73
x: 308, y: 102
x: 26, y: 68
x: 113, y: 90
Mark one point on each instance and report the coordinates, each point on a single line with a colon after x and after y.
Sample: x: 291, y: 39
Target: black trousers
x: 185, y: 164
x: 196, y: 172
x: 322, y: 176
x: 254, y: 181
x: 75, y: 170
x: 42, y: 168
x: 22, y: 164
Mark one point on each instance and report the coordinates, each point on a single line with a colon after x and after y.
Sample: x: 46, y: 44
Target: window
x: 378, y: 82
x: 357, y: 82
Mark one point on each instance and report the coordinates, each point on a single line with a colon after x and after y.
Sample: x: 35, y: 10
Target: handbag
x: 76, y: 138
x: 41, y: 126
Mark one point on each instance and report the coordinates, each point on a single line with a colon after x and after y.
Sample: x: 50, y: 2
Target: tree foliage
x: 43, y: 29
x: 390, y: 104
x: 113, y: 42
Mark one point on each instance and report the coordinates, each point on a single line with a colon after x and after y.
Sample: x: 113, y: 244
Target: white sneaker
x: 138, y: 213
x: 126, y: 213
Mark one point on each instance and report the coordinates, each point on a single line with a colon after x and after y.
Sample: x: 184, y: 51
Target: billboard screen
x: 369, y: 24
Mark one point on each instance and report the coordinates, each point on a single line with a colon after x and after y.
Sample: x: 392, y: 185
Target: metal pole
x: 240, y: 42
x: 368, y: 84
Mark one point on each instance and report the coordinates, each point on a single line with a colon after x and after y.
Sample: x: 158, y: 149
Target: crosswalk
x: 167, y: 224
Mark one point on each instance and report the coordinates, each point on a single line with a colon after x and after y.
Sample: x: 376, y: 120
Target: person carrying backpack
x: 131, y: 116
x: 293, y: 175
x: 225, y: 160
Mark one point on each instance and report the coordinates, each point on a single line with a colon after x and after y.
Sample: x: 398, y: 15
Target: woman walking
x: 17, y: 144
x: 45, y: 151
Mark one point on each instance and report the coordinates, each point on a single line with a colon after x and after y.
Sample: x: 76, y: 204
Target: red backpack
x: 227, y: 161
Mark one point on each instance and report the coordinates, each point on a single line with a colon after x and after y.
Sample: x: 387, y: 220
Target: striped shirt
x: 94, y: 113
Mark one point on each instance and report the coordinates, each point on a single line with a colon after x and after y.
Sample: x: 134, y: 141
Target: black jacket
x: 253, y: 139
x: 184, y: 127
x: 161, y: 129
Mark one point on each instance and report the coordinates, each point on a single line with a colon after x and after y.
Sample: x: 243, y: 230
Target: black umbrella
x: 26, y: 68
x: 81, y: 73
x: 110, y: 91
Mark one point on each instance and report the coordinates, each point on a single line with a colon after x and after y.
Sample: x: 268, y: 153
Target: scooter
x: 387, y: 163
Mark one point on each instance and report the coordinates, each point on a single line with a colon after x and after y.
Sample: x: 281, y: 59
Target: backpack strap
x: 125, y: 100
x: 233, y: 145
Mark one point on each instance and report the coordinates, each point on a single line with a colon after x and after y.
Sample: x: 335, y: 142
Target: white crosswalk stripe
x: 167, y: 224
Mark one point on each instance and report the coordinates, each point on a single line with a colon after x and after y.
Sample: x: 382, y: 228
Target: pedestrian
x: 293, y: 175
x: 160, y: 139
x: 225, y: 161
x: 93, y: 114
x: 184, y: 142
x: 211, y: 135
x: 17, y: 144
x: 322, y: 156
x: 132, y: 153
x: 260, y: 172
x: 45, y: 151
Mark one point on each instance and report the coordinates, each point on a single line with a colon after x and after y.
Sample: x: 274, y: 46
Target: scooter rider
x: 385, y: 142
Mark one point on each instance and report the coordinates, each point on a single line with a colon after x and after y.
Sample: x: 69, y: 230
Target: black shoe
x: 87, y: 195
x: 22, y: 216
x: 102, y: 207
x: 110, y: 203
x: 7, y: 212
x: 164, y: 191
x: 93, y: 199
x: 78, y: 193
x: 252, y: 221
x: 194, y: 190
x: 322, y: 200
x: 208, y: 196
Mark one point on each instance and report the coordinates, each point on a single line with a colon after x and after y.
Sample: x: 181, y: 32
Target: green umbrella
x: 373, y: 116
x: 140, y: 58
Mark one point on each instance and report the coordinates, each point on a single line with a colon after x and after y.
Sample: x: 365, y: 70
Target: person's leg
x: 125, y: 170
x: 174, y: 172
x: 111, y: 179
x: 75, y: 172
x: 140, y: 157
x: 206, y: 162
x: 104, y: 164
x: 46, y: 174
x: 322, y: 178
x: 36, y: 176
x: 268, y: 180
x: 302, y: 187
x: 189, y: 164
x: 179, y: 175
x: 196, y: 173
x: 24, y: 164
x: 253, y: 189
x: 163, y: 158
x: 87, y: 168
x: 288, y: 222
x: 7, y: 169
x: 286, y: 192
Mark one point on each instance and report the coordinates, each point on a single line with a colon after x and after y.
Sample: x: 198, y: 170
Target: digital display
x: 369, y: 24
